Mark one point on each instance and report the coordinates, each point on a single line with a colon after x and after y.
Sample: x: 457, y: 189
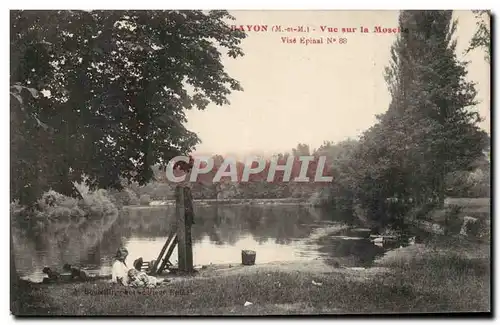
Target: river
x: 276, y: 233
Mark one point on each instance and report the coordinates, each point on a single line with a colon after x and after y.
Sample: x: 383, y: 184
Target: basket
x: 248, y: 257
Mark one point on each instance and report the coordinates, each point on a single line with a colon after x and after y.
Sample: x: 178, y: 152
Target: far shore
x: 167, y: 203
x: 472, y: 205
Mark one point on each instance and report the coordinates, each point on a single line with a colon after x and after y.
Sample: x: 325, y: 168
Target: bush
x: 55, y: 207
x: 98, y: 204
x: 124, y: 197
x: 320, y: 197
x: 452, y: 222
x: 469, y: 184
x: 476, y: 229
x: 472, y: 229
x: 423, y: 211
x: 145, y: 199
x: 162, y: 191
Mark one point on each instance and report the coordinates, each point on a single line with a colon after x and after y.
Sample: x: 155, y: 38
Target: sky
x: 297, y: 93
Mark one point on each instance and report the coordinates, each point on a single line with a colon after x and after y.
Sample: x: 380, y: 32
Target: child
x: 139, y: 279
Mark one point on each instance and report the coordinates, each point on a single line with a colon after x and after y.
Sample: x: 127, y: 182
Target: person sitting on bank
x: 138, y: 279
x: 119, y: 270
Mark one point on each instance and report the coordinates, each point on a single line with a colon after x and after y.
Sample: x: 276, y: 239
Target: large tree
x: 116, y: 85
x: 430, y: 128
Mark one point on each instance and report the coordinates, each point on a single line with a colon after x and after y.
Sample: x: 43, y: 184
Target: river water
x: 276, y: 233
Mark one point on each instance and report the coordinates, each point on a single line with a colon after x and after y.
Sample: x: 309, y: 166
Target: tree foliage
x: 430, y: 128
x: 482, y: 35
x: 116, y: 85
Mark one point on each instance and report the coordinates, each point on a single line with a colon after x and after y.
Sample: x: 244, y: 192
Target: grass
x: 457, y: 271
x: 429, y: 282
x: 481, y: 207
x: 468, y: 202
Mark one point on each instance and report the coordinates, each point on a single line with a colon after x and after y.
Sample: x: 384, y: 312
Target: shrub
x: 423, y: 211
x: 124, y: 197
x: 17, y: 212
x: 15, y: 207
x: 162, y: 191
x: 55, y: 207
x: 476, y: 229
x: 145, y: 199
x: 472, y: 228
x: 452, y: 222
x: 320, y: 198
x: 98, y: 204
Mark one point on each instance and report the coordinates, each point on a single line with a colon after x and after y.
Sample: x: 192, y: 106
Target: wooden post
x: 184, y: 213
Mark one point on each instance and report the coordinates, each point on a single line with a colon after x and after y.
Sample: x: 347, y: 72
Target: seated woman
x: 139, y: 279
x: 121, y: 274
x: 119, y: 271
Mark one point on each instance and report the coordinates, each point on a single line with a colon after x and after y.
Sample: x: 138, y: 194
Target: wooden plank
x: 171, y: 249
x: 167, y: 257
x: 169, y: 239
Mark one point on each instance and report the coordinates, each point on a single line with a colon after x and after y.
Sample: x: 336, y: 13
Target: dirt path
x: 314, y: 267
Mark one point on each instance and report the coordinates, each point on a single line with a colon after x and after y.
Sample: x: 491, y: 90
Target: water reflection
x: 277, y: 233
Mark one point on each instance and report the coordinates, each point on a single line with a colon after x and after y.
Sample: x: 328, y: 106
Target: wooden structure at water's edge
x: 179, y: 235
x: 185, y: 213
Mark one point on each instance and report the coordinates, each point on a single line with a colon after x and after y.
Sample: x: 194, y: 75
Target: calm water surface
x: 276, y: 233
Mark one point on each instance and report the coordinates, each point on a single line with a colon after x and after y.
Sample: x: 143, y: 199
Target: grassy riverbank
x: 419, y: 278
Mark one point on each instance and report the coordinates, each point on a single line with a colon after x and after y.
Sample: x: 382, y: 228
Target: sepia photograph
x: 250, y: 162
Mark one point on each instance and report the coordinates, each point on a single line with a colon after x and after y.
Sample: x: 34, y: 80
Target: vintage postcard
x: 211, y: 162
